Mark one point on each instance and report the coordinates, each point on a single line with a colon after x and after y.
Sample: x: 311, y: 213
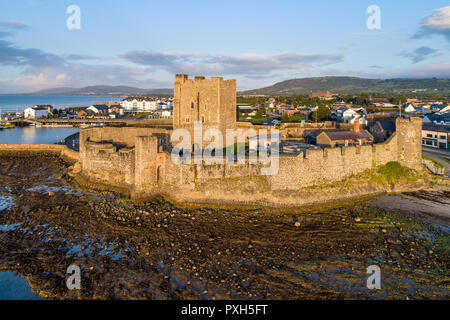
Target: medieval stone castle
x: 137, y: 160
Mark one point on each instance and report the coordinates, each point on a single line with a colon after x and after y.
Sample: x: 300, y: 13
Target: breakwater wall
x: 66, y: 153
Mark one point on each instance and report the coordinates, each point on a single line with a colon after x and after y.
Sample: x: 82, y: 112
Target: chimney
x: 356, y: 125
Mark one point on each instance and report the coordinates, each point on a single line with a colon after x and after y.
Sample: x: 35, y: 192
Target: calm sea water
x: 14, y: 287
x: 19, y: 103
x: 33, y: 135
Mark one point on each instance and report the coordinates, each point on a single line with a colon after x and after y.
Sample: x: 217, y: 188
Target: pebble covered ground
x: 158, y: 251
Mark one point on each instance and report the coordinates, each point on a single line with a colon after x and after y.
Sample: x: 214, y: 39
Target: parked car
x: 276, y: 122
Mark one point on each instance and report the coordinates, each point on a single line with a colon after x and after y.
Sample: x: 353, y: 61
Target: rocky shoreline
x: 156, y: 250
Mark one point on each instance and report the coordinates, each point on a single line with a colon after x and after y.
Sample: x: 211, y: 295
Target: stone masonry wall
x: 68, y: 154
x: 147, y: 170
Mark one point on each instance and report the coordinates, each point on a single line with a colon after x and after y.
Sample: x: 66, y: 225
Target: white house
x: 98, y: 108
x: 349, y: 114
x: 151, y: 105
x: 37, y: 112
x: 127, y: 105
x: 162, y: 105
x: 166, y: 113
x: 388, y: 105
x: 162, y: 113
x: 358, y: 118
x: 410, y: 108
x: 446, y: 109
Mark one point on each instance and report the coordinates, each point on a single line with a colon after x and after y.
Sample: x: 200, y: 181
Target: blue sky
x: 144, y: 43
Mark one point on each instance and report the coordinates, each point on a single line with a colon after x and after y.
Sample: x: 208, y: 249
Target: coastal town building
x: 162, y: 114
x: 326, y: 95
x: 409, y: 108
x: 446, y: 109
x: 99, y: 109
x: 116, y: 109
x: 350, y: 115
x: 75, y: 110
x: 143, y: 104
x: 442, y: 119
x: 38, y: 112
x: 379, y: 101
x: 139, y: 104
x: 248, y: 109
x: 436, y: 136
x: 345, y: 138
x: 382, y: 130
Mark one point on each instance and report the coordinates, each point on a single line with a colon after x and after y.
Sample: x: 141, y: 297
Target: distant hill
x: 343, y: 85
x: 353, y: 85
x: 101, y: 91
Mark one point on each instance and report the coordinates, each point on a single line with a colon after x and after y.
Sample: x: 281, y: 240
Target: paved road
x: 438, y: 154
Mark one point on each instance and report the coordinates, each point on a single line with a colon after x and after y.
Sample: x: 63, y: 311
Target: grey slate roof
x: 348, y: 135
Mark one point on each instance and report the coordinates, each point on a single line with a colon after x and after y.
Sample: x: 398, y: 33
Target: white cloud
x: 247, y: 64
x: 13, y: 24
x: 437, y: 23
x: 41, y: 81
x: 439, y: 20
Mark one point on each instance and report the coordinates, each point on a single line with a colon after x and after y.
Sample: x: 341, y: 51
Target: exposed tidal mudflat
x: 158, y: 251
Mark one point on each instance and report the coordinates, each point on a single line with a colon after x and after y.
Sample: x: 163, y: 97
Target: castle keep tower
x: 210, y: 101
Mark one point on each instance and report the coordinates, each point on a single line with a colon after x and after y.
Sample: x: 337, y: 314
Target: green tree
x: 297, y: 117
x: 284, y: 118
x: 321, y: 114
x: 54, y: 114
x: 398, y: 100
x: 261, y: 113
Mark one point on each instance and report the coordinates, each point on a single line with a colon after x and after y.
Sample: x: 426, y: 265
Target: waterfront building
x: 38, y: 112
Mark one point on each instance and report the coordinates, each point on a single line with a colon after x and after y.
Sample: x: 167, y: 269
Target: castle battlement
x: 182, y: 78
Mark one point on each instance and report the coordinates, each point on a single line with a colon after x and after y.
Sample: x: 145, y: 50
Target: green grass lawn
x: 392, y: 172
